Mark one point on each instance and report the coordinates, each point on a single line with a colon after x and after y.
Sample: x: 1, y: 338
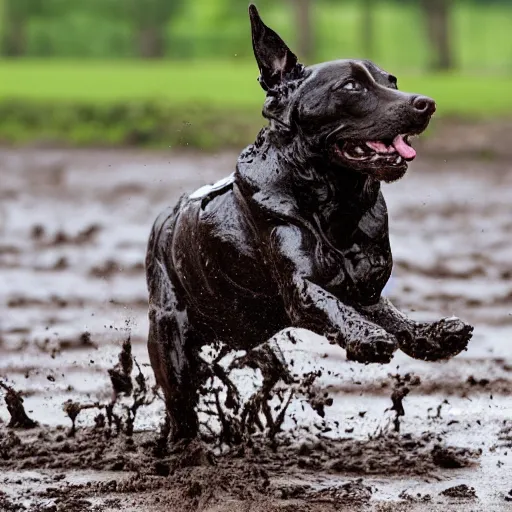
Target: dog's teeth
x: 359, y: 150
x: 374, y: 157
x: 399, y: 159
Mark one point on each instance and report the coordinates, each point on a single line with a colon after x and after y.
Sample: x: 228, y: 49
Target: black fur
x: 297, y: 236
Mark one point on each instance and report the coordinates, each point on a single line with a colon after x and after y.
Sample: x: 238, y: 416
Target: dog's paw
x: 440, y: 340
x: 378, y: 347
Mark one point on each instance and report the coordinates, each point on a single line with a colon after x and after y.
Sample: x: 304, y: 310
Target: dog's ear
x: 275, y: 60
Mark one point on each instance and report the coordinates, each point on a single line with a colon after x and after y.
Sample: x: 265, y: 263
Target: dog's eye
x: 352, y: 85
x: 349, y: 85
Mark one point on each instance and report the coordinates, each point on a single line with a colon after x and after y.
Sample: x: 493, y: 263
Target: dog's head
x: 347, y: 111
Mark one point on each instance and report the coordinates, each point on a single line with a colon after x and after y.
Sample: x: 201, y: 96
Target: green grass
x: 205, y: 105
x: 217, y: 101
x: 223, y: 83
x: 220, y: 84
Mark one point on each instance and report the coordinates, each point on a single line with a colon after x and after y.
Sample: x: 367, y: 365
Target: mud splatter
x: 451, y: 458
x: 14, y: 402
x: 122, y: 384
x: 418, y: 497
x: 460, y: 491
x: 120, y: 375
x: 401, y: 388
x: 73, y: 409
x: 85, y: 236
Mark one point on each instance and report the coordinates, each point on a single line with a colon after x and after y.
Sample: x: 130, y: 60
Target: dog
x: 297, y: 236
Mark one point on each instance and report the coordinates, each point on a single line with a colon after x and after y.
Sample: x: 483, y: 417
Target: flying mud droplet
x: 253, y: 392
x: 120, y: 374
x: 401, y: 389
x: 14, y: 402
x: 73, y: 409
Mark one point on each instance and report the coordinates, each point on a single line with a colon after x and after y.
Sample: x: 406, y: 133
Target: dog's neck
x: 319, y: 186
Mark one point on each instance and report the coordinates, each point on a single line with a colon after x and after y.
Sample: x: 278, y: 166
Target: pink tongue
x: 403, y: 148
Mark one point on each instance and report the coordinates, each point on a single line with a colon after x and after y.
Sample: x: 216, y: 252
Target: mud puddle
x: 73, y: 230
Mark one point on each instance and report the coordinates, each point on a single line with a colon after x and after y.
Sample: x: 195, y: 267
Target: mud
x: 259, y: 469
x: 405, y: 436
x: 460, y: 491
x: 14, y: 403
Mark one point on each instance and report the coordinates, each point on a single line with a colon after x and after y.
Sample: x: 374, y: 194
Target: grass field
x: 200, y: 104
x: 215, y: 100
x: 221, y: 84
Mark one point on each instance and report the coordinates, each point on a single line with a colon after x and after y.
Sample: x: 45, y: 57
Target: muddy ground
x: 73, y: 229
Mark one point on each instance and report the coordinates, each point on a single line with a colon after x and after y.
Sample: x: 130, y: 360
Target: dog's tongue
x: 403, y: 148
x: 399, y: 145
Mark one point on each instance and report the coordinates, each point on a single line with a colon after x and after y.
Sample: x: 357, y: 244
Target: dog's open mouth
x: 389, y: 152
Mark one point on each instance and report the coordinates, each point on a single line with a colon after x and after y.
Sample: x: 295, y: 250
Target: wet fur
x: 293, y: 238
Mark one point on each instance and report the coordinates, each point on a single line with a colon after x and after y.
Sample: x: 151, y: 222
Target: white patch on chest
x: 208, y: 189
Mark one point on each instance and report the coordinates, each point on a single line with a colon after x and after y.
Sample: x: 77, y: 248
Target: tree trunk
x: 367, y: 29
x: 151, y: 42
x: 304, y: 26
x: 437, y: 15
x: 15, y: 38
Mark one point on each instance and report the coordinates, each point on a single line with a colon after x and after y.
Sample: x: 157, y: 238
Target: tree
x: 16, y: 16
x: 367, y: 30
x: 304, y: 25
x: 149, y: 19
x: 437, y: 15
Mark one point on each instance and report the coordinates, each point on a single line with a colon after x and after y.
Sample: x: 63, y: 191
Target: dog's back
x: 209, y: 253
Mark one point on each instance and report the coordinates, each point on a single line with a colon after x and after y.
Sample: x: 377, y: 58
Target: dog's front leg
x: 430, y: 341
x: 312, y: 307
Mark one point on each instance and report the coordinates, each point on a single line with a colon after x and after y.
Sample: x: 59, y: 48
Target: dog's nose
x: 424, y: 105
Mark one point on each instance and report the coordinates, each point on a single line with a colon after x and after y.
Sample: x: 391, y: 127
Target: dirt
x: 14, y: 403
x: 259, y: 469
x: 405, y: 436
x: 460, y: 491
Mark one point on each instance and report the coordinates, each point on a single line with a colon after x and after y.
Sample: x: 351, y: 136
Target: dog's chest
x: 356, y: 258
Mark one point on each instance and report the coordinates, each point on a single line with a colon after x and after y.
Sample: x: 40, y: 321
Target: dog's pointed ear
x: 275, y: 60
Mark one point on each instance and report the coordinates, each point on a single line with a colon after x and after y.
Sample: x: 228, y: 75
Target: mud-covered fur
x: 296, y: 236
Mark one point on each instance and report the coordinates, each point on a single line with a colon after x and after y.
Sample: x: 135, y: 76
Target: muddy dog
x: 296, y: 236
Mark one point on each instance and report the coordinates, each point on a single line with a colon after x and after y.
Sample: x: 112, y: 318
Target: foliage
x: 127, y: 123
x: 206, y: 29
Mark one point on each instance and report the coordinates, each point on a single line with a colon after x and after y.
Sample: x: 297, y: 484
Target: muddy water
x: 73, y: 229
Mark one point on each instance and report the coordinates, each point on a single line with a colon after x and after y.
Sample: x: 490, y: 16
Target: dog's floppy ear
x: 275, y: 60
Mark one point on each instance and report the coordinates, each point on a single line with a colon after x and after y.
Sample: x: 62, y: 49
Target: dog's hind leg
x: 177, y: 368
x: 173, y: 347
